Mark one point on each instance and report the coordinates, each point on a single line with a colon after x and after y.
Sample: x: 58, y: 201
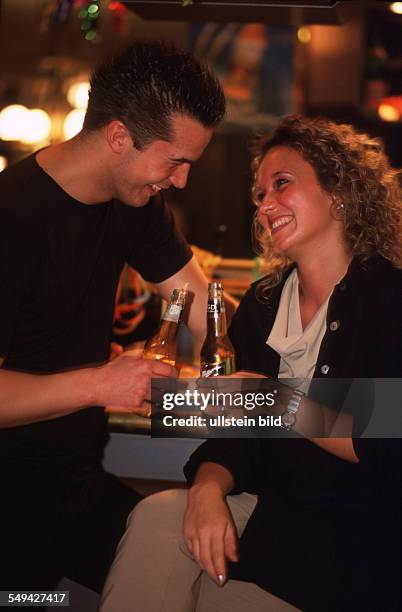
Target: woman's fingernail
x: 221, y: 579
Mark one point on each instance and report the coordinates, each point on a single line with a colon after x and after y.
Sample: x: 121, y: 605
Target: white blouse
x: 298, y: 348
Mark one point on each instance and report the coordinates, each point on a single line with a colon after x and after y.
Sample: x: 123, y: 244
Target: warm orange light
x: 388, y: 113
x: 304, y: 35
x: 3, y: 162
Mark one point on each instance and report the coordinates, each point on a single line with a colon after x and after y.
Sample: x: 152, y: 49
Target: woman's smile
x: 292, y: 204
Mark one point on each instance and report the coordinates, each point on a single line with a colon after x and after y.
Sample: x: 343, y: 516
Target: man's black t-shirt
x: 60, y: 262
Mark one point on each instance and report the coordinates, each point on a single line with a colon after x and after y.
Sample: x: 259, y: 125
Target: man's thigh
x: 94, y: 535
x: 31, y: 535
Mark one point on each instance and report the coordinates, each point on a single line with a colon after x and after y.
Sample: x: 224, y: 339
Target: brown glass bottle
x: 162, y: 344
x: 217, y: 352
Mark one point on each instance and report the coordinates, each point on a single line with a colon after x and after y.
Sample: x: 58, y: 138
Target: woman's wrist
x: 209, y: 488
x: 212, y: 479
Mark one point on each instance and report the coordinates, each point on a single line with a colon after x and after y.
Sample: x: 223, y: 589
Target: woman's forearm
x: 314, y: 419
x: 213, y: 478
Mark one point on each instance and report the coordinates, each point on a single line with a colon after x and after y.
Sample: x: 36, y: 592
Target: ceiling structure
x: 329, y: 12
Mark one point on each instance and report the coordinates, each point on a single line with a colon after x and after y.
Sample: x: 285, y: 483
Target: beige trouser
x: 154, y: 572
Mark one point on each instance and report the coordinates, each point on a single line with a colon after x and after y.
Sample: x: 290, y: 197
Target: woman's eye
x: 259, y: 196
x: 280, y: 182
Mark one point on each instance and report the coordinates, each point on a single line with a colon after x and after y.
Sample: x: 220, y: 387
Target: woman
x: 318, y: 517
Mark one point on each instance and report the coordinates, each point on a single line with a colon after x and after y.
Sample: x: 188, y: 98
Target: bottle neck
x: 172, y: 313
x: 216, y: 317
x: 168, y: 329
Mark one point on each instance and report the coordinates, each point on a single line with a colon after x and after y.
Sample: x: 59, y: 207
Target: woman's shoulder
x: 381, y: 279
x: 379, y: 267
x: 262, y: 293
x: 258, y: 307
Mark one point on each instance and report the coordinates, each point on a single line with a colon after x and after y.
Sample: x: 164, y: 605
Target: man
x: 70, y: 217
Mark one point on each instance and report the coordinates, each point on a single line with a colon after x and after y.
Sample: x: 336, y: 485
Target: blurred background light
x: 77, y: 94
x: 13, y: 120
x: 3, y: 162
x: 396, y: 7
x: 73, y: 123
x: 37, y: 126
x: 387, y: 112
x: 304, y: 35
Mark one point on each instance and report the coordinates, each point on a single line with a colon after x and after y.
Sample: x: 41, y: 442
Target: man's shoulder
x: 19, y: 187
x: 14, y: 178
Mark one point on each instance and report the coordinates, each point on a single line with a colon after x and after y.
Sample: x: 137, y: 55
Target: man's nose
x: 179, y: 177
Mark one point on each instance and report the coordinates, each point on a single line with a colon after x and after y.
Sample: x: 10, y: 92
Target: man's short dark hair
x: 146, y: 85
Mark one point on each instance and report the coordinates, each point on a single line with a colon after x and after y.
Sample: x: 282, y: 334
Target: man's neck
x: 78, y: 167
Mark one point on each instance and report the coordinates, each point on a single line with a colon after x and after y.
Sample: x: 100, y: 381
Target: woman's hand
x: 210, y: 533
x: 239, y: 382
x: 209, y: 530
x: 243, y: 374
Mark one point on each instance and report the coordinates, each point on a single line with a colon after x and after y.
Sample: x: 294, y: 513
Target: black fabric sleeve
x: 162, y: 250
x: 248, y: 331
x: 241, y: 457
x: 236, y: 329
x: 385, y: 453
x: 16, y: 264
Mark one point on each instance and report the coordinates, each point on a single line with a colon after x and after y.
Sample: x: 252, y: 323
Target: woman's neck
x: 318, y: 276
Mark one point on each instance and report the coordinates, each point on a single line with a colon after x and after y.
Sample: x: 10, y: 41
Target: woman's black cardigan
x: 325, y: 534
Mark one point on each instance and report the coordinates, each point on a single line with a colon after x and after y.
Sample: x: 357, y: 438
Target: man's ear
x: 117, y: 136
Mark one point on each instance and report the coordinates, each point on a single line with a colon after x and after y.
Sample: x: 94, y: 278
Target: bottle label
x: 214, y: 370
x: 215, y: 308
x: 172, y: 313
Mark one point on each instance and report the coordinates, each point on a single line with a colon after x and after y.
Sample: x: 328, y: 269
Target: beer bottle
x: 217, y: 352
x: 162, y: 344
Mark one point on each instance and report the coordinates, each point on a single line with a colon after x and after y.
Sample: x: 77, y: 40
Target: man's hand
x: 126, y: 381
x: 209, y: 530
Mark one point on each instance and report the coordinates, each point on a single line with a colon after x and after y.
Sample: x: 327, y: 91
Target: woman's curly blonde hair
x: 354, y: 170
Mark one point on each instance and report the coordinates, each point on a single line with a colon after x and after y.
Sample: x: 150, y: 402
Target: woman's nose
x: 267, y: 205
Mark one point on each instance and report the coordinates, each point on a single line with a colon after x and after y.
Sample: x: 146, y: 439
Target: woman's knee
x: 161, y: 509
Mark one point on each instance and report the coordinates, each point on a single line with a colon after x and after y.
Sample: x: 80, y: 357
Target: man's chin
x: 137, y: 201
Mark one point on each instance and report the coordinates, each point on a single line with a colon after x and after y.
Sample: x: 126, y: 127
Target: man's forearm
x: 28, y: 398
x: 123, y: 381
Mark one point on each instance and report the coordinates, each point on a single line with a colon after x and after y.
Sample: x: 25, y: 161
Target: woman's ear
x: 337, y: 207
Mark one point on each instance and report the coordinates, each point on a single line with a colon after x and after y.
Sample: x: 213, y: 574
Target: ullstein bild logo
x: 222, y: 421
